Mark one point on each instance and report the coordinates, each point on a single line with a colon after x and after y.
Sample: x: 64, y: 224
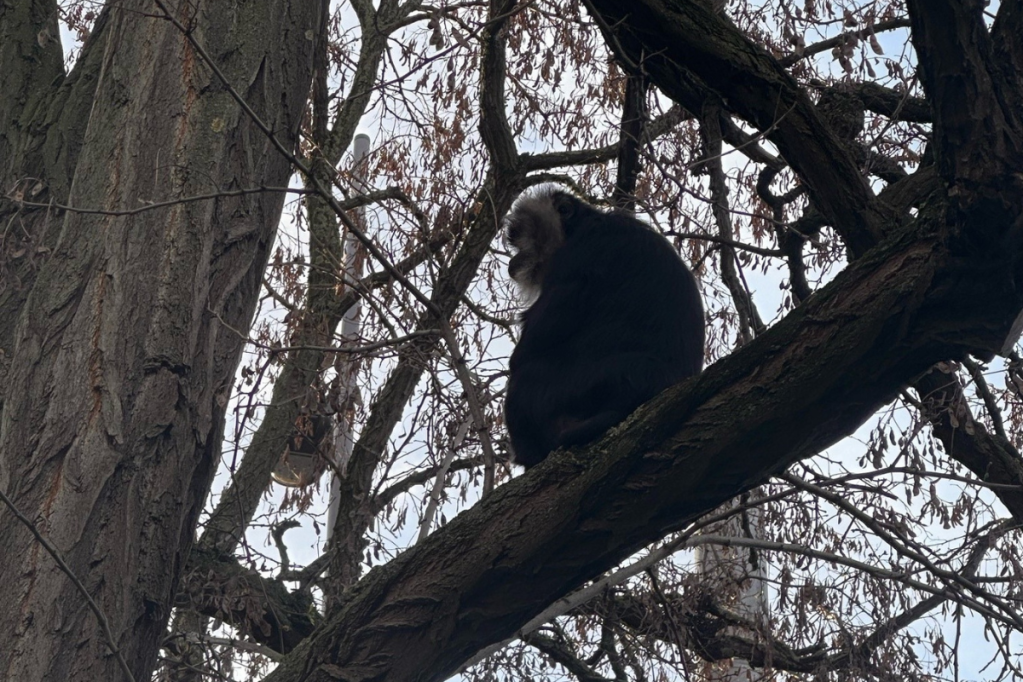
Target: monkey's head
x: 536, y: 227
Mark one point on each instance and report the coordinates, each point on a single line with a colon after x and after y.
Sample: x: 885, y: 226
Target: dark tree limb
x: 750, y: 323
x: 262, y: 609
x: 991, y: 458
x: 791, y: 240
x: 494, y: 128
x: 684, y: 48
x: 892, y: 103
x: 561, y: 654
x: 630, y: 140
x: 978, y: 132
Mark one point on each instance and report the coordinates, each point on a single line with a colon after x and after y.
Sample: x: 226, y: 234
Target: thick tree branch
x: 630, y: 137
x: 494, y: 126
x: 684, y: 47
x: 895, y: 105
x: 978, y: 132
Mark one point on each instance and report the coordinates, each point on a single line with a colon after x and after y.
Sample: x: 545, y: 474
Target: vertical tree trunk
x: 123, y: 350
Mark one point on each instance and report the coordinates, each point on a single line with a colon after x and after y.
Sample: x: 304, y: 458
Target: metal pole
x: 351, y: 326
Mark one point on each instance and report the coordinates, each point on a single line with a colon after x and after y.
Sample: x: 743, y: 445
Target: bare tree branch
x: 688, y: 50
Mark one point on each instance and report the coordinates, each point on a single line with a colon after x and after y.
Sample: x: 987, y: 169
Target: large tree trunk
x: 121, y: 331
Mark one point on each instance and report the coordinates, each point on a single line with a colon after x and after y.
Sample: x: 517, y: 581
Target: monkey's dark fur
x: 616, y: 318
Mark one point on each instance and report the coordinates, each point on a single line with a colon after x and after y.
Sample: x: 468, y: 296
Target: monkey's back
x: 619, y: 318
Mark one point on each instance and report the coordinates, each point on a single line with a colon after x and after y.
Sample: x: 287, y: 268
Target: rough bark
x: 124, y: 347
x: 44, y: 114
x: 261, y: 608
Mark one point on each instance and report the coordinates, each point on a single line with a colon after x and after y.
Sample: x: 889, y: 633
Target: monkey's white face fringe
x: 533, y: 228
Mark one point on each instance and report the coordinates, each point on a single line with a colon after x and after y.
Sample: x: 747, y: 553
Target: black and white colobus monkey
x: 616, y: 318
